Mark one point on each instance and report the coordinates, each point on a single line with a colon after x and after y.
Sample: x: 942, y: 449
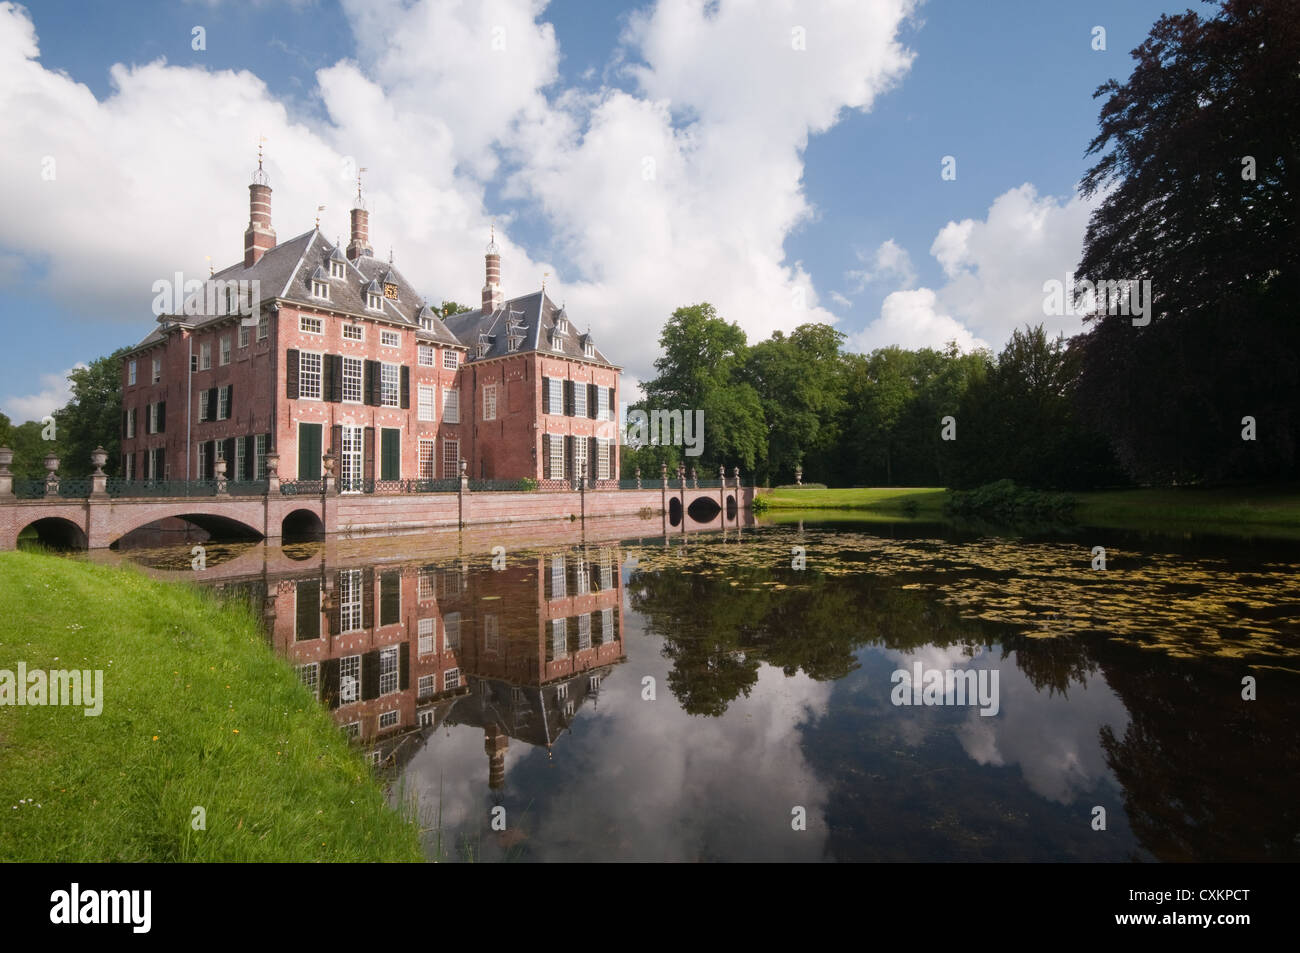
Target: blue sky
x: 790, y: 185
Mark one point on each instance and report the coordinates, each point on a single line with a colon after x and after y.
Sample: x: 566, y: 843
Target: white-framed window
x: 203, y: 458
x: 606, y: 569
x: 562, y: 691
x: 426, y: 459
x: 388, y: 670
x: 388, y: 720
x: 232, y: 302
x: 153, y: 416
x: 354, y: 332
x: 428, y: 685
x: 558, y: 588
x: 559, y: 638
x: 240, y: 458
x: 245, y: 335
x: 203, y: 407
x: 588, y: 349
x: 390, y: 379
x: 450, y: 405
x: 320, y: 289
x: 263, y: 327
x: 311, y: 325
x: 489, y: 401
x: 428, y: 579
x: 309, y: 375
x: 426, y: 717
x: 450, y: 360
x: 349, y: 679
x: 352, y: 376
x: 450, y: 459
x: 602, y: 403
x: 569, y: 708
x: 128, y: 466
x: 607, y: 633
x: 554, y: 395
x: 426, y: 634
x: 557, y: 342
x: 130, y: 424
x: 584, y: 631
x: 225, y: 350
x: 390, y: 339
x: 450, y: 679
x: 352, y: 730
x: 309, y: 675
x: 593, y: 683
x: 223, y: 403
x: 557, y: 457
x: 205, y: 356
x: 491, y: 634
x: 451, y: 632
x: 259, y: 456
x: 350, y: 600
x: 425, y: 355
x: 581, y: 579
x: 130, y: 373
x: 426, y: 402
x: 157, y: 369
x: 602, y: 459
x: 579, y: 399
x: 374, y: 302
x: 338, y: 270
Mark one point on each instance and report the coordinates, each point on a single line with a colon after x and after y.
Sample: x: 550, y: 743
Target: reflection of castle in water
x: 396, y: 652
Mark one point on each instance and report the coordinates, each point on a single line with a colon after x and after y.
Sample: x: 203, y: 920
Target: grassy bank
x: 197, y: 712
x: 1273, y: 509
x: 891, y: 499
x: 1266, y: 511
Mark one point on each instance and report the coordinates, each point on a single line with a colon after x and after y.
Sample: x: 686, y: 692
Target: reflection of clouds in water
x: 639, y: 779
x: 680, y: 787
x: 1054, y: 739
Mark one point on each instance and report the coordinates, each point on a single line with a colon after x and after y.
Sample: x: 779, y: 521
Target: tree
x: 800, y: 382
x: 448, y: 308
x: 1019, y: 420
x: 699, y: 370
x: 1198, y: 154
x: 92, y: 417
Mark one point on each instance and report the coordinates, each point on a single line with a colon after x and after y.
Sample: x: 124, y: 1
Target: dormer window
x: 514, y: 341
x: 588, y: 349
x: 561, y: 324
x: 557, y: 342
x: 374, y: 297
x: 337, y: 270
x: 320, y: 284
x: 482, y: 350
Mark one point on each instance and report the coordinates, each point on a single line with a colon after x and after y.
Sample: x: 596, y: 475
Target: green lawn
x: 1275, y: 508
x: 197, y: 712
x: 1271, y: 510
x: 858, y: 498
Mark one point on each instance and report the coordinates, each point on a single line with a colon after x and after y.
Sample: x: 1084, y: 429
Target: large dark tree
x: 1198, y: 154
x: 92, y: 416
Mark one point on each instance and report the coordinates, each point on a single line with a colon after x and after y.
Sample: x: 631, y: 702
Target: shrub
x: 1004, y: 499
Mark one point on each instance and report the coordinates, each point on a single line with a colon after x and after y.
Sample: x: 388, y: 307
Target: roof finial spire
x: 259, y: 177
x: 319, y: 209
x: 211, y: 271
x: 390, y: 254
x: 492, y: 241
x: 545, y: 275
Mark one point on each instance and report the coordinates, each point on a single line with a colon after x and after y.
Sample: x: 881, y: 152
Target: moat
x: 692, y: 697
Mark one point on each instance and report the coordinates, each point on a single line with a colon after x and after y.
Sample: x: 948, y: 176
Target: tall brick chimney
x: 260, y: 236
x: 493, y: 299
x: 360, y: 243
x: 495, y: 744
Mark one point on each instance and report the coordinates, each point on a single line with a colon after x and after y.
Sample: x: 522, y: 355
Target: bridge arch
x: 731, y: 507
x: 302, y: 525
x: 704, y: 509
x: 56, y: 533
x: 675, y: 511
x: 217, y: 526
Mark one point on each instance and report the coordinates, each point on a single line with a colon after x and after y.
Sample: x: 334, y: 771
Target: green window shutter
x: 390, y: 596
x: 309, y: 451
x: 291, y: 374
x: 405, y: 400
x: 390, y: 462
x: 307, y: 623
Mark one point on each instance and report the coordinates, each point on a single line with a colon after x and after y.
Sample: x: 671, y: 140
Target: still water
x: 740, y: 696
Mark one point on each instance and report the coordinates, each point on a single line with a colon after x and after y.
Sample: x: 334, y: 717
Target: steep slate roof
x: 536, y: 313
x: 286, y: 272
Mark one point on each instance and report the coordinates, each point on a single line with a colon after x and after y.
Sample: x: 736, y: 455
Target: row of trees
x: 875, y: 419
x: 1195, y: 175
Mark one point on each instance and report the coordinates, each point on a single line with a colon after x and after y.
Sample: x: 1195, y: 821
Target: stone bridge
x: 100, y: 520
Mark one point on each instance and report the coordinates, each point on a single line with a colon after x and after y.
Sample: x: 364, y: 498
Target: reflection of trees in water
x: 1206, y: 775
x: 718, y: 629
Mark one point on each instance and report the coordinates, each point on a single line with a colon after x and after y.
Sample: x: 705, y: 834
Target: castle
x: 305, y: 348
